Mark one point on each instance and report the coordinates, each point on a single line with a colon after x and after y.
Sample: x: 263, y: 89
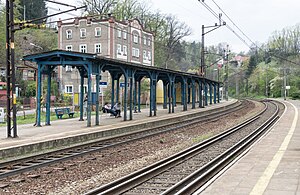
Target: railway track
x: 22, y: 165
x: 187, y: 171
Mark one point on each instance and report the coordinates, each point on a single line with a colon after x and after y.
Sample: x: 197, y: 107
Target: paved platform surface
x: 272, y: 166
x: 71, y: 127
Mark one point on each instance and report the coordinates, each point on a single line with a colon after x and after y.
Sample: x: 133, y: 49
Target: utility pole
x: 202, y: 71
x: 226, y: 72
x: 10, y: 71
x: 284, y: 83
x: 202, y: 59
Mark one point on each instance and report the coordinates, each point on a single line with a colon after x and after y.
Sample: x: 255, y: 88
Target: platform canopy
x: 92, y: 64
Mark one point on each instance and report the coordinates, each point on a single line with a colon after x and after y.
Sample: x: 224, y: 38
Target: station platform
x: 70, y: 131
x: 271, y: 166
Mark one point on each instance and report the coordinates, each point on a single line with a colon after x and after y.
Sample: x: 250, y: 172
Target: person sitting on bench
x: 106, y: 109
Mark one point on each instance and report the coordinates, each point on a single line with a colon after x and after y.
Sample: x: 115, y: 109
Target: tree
x: 33, y: 9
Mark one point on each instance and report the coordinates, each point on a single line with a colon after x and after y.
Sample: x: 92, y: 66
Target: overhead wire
x: 231, y: 29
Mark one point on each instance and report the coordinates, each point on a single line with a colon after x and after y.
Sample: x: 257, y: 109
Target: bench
x: 61, y: 111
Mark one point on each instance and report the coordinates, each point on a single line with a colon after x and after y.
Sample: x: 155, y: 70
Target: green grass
x: 202, y: 137
x: 30, y: 118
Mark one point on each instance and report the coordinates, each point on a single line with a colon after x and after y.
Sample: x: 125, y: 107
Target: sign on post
x: 103, y: 84
x: 123, y: 84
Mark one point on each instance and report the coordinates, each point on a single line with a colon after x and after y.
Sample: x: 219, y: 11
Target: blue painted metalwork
x: 38, y: 97
x: 125, y: 95
x: 215, y: 93
x: 89, y: 64
x: 135, y: 96
x: 193, y: 94
x: 218, y: 92
x: 131, y: 80
x: 165, y: 95
x: 97, y: 99
x: 112, y: 103
x: 139, y: 96
x: 210, y: 93
x: 48, y: 102
x: 118, y: 90
x: 81, y: 98
x: 205, y: 93
x: 173, y: 94
x: 89, y: 103
x: 184, y: 94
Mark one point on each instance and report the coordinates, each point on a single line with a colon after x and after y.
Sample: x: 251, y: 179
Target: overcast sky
x: 257, y: 18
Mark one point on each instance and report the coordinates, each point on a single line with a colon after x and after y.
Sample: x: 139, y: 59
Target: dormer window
x: 82, y: 33
x: 69, y: 34
x: 145, y: 40
x: 149, y: 41
x: 97, y: 31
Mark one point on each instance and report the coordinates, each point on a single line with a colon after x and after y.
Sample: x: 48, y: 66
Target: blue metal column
x: 89, y: 103
x: 98, y: 77
x: 210, y: 93
x: 125, y: 95
x: 173, y: 95
x: 151, y: 96
x: 169, y: 95
x: 200, y: 94
x: 139, y: 96
x: 205, y: 89
x: 182, y: 102
x: 130, y: 95
x: 193, y: 94
x: 154, y: 97
x: 165, y: 95
x: 215, y: 93
x: 112, y: 103
x: 38, y: 97
x: 189, y: 93
x: 135, y: 96
x: 81, y: 94
x: 118, y: 91
x: 184, y: 94
x: 48, y: 102
x: 218, y: 92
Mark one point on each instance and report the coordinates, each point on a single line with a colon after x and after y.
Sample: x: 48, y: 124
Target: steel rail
x: 197, y: 179
x: 128, y: 182
x: 26, y: 164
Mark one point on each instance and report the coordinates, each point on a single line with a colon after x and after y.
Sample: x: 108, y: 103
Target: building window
x: 119, y: 33
x: 69, y: 48
x: 69, y: 34
x: 135, y: 39
x: 84, y: 88
x: 124, y: 50
x: 145, y: 40
x: 135, y: 52
x: 83, y: 48
x: 82, y: 33
x: 119, y: 49
x: 68, y: 88
x: 98, y: 48
x: 68, y: 68
x: 98, y: 31
x: 145, y: 55
x: 149, y: 41
x: 149, y: 55
x: 124, y: 35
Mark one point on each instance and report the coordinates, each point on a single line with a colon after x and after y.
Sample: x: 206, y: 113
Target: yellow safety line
x: 264, y: 180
